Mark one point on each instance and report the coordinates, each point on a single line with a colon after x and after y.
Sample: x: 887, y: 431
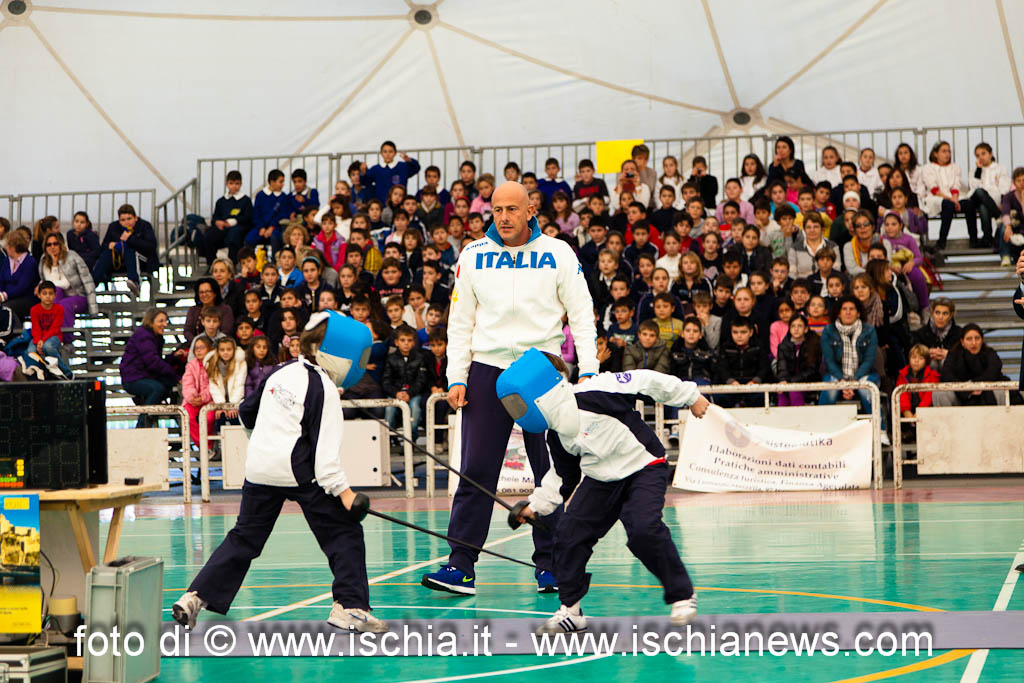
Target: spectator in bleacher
x: 406, y: 378
x: 210, y: 319
x: 785, y: 159
x: 43, y: 351
x: 867, y: 174
x: 260, y: 363
x: 707, y: 185
x: 381, y: 177
x: 481, y: 204
x: 742, y: 359
x: 19, y: 274
x: 734, y: 193
x: 940, y: 333
x: 648, y: 352
x: 436, y: 292
x: 207, y: 293
x: 1012, y: 210
x: 942, y: 183
x: 276, y: 328
x: 436, y: 357
x: 129, y: 247
x: 587, y: 185
x: 44, y: 226
x: 231, y: 293
x: 431, y: 209
x: 248, y: 275
x: 360, y: 193
x: 83, y: 240
x: 225, y: 366
x: 641, y: 156
x: 916, y: 372
x: 629, y: 182
x: 855, y: 252
x: 254, y: 307
x: 269, y: 209
x: 971, y: 360
x: 195, y: 389
x: 302, y: 197
x: 330, y: 242
x: 898, y: 178
x: 288, y: 274
x: 5, y: 229
x: 906, y: 161
x: 691, y: 358
x: 312, y: 283
x: 393, y: 204
x: 269, y: 289
x: 432, y: 180
x: 905, y: 257
x: 849, y: 346
x: 147, y: 374
x: 798, y: 359
x: 914, y: 219
x: 987, y: 185
x: 231, y: 221
x: 753, y: 256
x: 76, y: 292
x: 803, y: 255
x: 828, y: 170
x: 753, y: 178
x: 691, y: 277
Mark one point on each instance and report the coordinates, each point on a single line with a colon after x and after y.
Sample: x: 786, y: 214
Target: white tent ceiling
x: 116, y: 93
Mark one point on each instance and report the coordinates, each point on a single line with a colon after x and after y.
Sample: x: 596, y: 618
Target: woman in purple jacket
x: 19, y: 274
x: 146, y: 373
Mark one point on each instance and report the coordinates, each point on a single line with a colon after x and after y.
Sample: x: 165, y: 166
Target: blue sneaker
x: 450, y: 580
x: 546, y: 582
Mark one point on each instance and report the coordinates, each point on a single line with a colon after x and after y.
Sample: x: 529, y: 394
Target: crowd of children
x: 735, y: 289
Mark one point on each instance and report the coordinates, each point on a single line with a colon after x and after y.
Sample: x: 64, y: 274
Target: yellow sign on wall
x: 611, y: 154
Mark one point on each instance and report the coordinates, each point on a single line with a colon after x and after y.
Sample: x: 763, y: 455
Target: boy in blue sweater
x: 550, y: 185
x: 270, y: 207
x: 382, y: 177
x: 302, y: 196
x: 232, y: 221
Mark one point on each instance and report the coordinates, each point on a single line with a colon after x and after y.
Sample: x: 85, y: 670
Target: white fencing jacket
x: 296, y: 422
x: 508, y: 299
x: 614, y: 441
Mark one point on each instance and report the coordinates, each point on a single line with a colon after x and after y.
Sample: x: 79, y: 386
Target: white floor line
x: 977, y: 661
x: 505, y: 672
x: 377, y: 579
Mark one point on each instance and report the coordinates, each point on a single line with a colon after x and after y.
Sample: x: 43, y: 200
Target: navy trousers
x: 637, y: 501
x: 486, y: 427
x: 340, y: 538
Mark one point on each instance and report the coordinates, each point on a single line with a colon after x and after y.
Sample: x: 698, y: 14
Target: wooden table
x: 69, y: 531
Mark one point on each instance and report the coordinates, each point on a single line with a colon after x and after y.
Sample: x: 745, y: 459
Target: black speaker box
x: 60, y: 428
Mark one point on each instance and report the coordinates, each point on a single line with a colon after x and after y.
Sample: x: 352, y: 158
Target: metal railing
x: 170, y: 214
x: 9, y: 208
x: 178, y: 412
x: 101, y: 205
x: 898, y: 461
x: 210, y: 174
x: 447, y: 160
x: 205, y: 438
x: 660, y: 421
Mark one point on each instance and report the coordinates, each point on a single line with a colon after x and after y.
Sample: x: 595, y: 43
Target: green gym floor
x: 948, y: 546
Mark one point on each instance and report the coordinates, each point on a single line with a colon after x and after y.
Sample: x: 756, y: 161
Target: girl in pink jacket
x: 195, y: 388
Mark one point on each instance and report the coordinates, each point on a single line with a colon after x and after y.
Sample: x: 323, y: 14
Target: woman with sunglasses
x: 76, y: 292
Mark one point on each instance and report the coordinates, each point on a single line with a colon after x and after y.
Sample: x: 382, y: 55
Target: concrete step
x: 978, y: 284
x: 974, y: 267
x: 993, y: 304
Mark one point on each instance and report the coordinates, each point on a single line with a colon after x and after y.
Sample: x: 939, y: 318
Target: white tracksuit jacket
x: 614, y: 441
x: 508, y: 299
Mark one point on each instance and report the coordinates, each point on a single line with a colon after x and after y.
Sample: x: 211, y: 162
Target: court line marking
x: 377, y: 579
x: 977, y: 661
x: 505, y: 672
x: 931, y: 663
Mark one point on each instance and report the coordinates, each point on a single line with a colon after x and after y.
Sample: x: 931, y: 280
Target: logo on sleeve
x: 623, y: 377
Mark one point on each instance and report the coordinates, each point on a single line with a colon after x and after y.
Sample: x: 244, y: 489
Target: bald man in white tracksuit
x: 506, y: 299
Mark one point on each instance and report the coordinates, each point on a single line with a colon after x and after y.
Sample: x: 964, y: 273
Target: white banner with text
x: 720, y: 453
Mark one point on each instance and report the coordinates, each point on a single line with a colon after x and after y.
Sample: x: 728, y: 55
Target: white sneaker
x: 565, y: 620
x: 134, y: 288
x: 186, y: 609
x: 1005, y: 262
x: 355, y: 620
x: 53, y: 365
x: 684, y: 611
x: 885, y: 439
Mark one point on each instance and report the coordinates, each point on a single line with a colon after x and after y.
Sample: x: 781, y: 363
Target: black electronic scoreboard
x: 53, y: 435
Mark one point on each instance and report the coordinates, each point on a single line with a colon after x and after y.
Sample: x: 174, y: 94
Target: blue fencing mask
x: 537, y: 396
x: 345, y: 350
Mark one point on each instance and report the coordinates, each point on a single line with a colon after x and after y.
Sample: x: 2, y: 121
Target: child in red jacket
x: 45, y: 350
x: 917, y: 372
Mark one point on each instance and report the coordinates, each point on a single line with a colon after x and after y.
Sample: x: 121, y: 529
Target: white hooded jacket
x: 509, y: 299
